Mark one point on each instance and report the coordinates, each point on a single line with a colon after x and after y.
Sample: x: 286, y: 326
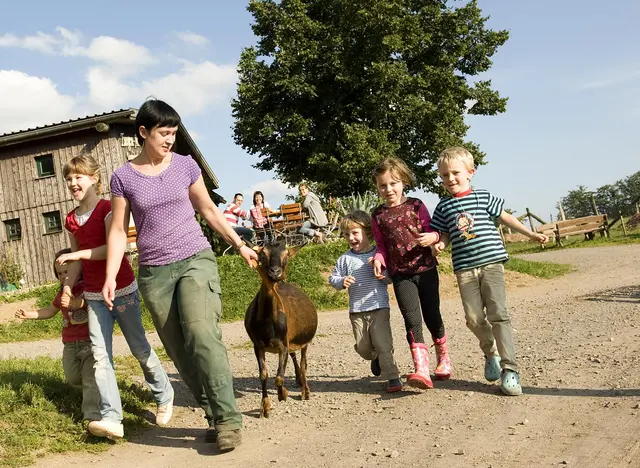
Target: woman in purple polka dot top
x: 178, y: 273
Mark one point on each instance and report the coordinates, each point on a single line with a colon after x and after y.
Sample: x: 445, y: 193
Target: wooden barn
x: 34, y: 199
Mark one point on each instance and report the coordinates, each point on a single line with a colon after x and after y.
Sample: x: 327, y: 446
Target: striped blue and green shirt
x: 368, y: 293
x: 469, y: 221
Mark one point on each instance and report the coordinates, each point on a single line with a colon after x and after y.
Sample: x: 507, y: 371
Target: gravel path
x: 579, y: 351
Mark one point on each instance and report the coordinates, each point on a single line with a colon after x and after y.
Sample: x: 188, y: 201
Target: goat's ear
x: 294, y: 250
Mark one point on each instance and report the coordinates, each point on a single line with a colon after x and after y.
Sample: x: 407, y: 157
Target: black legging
x: 415, y: 292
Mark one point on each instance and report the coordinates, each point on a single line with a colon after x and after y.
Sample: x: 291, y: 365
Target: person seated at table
x: 317, y: 216
x: 259, y: 221
x: 234, y: 216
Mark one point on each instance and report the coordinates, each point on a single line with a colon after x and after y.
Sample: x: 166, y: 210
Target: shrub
x: 10, y: 271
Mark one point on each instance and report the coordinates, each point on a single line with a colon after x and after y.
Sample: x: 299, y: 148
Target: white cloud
x: 119, y: 75
x: 41, y: 42
x: 121, y: 56
x: 192, y: 38
x: 619, y: 78
x: 190, y: 89
x: 30, y: 101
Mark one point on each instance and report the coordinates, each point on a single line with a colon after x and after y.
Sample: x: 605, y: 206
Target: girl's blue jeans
x: 126, y: 311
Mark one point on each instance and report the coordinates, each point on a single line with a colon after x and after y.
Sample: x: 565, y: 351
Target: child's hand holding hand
x: 437, y: 248
x: 377, y: 269
x: 348, y: 281
x: 65, y: 298
x: 26, y: 314
x: 427, y: 238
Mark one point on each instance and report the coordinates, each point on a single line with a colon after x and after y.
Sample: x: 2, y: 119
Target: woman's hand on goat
x: 249, y: 255
x: 348, y: 281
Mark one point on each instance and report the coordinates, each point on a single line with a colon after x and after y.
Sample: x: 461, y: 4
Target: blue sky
x: 571, y: 71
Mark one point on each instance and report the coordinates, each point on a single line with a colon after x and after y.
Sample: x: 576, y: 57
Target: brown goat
x: 281, y: 319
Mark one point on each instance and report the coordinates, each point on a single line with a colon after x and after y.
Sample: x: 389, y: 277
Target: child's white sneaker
x: 164, y: 413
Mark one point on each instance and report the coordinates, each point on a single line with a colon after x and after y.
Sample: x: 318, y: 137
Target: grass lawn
x: 40, y: 412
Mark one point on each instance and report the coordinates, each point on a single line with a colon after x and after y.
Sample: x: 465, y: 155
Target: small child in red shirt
x: 77, y: 359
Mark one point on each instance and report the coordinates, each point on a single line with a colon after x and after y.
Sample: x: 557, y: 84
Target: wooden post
x: 624, y: 228
x: 551, y: 218
x: 562, y: 216
x: 594, y: 206
x: 530, y: 220
x: 500, y: 230
x: 637, y: 208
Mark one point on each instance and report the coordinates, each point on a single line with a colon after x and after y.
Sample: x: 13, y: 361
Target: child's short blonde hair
x: 398, y: 168
x: 457, y: 153
x: 357, y: 219
x: 84, y: 165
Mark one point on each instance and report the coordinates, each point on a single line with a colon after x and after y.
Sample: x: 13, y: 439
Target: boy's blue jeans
x: 126, y: 311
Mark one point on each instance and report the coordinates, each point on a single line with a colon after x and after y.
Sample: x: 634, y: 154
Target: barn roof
x: 83, y: 123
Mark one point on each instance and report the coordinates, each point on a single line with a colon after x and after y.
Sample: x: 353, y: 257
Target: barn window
x: 44, y: 164
x: 52, y: 222
x: 13, y: 229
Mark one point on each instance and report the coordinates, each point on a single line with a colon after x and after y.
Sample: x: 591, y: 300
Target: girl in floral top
x: 401, y: 229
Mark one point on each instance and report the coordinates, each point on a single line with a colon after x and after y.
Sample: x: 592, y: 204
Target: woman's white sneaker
x: 109, y: 429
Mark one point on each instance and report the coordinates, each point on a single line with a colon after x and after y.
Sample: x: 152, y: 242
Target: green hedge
x: 308, y: 268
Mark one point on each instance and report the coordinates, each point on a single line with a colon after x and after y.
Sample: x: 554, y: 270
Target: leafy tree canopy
x: 612, y: 199
x: 333, y: 86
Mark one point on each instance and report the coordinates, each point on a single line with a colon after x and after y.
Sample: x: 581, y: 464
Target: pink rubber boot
x: 443, y: 369
x: 421, y: 378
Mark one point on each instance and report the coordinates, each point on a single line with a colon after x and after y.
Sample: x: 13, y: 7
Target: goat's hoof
x: 265, y: 408
x: 282, y: 394
x: 306, y: 393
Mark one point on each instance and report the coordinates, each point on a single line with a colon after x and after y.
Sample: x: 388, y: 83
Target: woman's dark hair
x: 257, y: 192
x: 155, y: 113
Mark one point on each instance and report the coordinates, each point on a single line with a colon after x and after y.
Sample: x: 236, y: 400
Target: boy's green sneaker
x: 511, y: 383
x: 492, y: 368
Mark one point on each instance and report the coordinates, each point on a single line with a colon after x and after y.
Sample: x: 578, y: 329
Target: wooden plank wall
x: 25, y: 196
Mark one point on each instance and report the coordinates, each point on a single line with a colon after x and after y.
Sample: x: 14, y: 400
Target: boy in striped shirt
x: 466, y: 220
x: 368, y: 299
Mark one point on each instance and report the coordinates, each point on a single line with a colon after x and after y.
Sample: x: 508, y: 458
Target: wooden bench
x: 292, y: 216
x: 548, y: 229
x: 131, y: 239
x: 588, y: 225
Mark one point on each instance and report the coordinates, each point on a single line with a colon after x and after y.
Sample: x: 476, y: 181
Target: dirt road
x: 579, y: 351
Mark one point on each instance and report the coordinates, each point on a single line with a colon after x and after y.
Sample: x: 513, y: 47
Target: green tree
x: 630, y: 186
x: 577, y: 203
x: 332, y: 86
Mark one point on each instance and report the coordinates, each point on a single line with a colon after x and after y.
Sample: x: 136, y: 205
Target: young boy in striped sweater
x: 466, y: 220
x: 368, y: 299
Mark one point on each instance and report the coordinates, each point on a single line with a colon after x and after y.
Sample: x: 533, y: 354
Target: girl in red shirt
x: 88, y: 225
